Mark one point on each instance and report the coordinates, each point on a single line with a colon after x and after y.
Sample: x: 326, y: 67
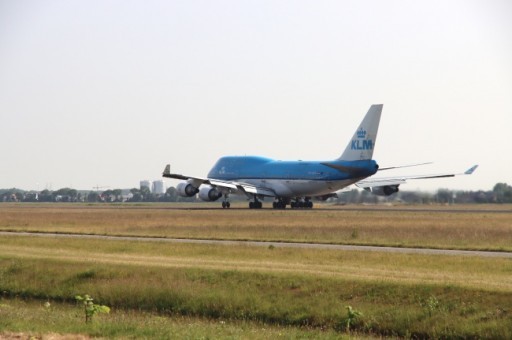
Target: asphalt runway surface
x: 425, y: 251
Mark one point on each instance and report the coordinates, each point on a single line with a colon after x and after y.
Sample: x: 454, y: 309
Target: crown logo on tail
x: 361, y: 133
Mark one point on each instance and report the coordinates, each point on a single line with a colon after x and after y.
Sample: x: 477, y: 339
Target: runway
x: 425, y: 251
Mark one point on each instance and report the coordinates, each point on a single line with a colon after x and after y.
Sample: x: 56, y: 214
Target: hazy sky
x: 107, y: 92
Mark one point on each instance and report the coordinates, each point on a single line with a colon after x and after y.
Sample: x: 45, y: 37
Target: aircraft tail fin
x: 362, y: 143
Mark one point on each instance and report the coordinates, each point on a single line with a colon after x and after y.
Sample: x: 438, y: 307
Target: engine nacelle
x: 385, y: 190
x: 209, y: 194
x: 186, y: 189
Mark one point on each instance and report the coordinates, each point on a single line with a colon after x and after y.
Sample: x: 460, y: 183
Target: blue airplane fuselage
x: 287, y: 178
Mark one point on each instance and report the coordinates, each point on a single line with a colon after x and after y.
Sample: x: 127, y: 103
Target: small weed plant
x: 353, y: 317
x: 90, y: 308
x: 431, y: 305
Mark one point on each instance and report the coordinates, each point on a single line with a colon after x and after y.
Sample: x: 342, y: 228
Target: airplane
x: 296, y: 183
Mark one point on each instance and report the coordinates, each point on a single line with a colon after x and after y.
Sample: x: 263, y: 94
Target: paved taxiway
x: 426, y: 251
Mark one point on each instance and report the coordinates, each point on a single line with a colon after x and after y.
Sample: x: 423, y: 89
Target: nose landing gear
x: 225, y: 202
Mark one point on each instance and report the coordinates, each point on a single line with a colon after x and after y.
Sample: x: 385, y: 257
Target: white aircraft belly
x: 299, y: 188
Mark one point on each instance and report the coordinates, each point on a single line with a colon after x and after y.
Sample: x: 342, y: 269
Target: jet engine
x: 385, y: 190
x: 186, y: 189
x: 209, y: 194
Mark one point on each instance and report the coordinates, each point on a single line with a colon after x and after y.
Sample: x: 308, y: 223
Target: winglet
x: 167, y: 170
x: 167, y: 173
x: 471, y: 170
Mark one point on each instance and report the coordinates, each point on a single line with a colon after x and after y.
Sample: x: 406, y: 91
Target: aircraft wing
x: 196, y: 181
x: 389, y: 181
x: 231, y: 186
x: 245, y: 188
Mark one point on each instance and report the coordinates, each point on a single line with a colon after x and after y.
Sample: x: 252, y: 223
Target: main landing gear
x: 280, y: 204
x: 307, y: 204
x: 255, y: 205
x: 293, y: 205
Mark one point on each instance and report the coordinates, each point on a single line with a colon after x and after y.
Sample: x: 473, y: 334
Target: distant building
x: 159, y: 187
x: 145, y: 183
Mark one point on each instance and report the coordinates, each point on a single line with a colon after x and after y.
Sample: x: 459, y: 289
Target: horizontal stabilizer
x: 352, y: 171
x: 403, y: 166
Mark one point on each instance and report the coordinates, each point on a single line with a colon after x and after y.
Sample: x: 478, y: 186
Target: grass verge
x: 286, y: 287
x: 32, y: 319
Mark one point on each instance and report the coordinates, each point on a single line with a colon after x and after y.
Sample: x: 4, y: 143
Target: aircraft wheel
x: 279, y: 205
x: 255, y: 205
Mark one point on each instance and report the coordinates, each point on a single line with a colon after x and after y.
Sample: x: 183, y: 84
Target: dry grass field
x: 483, y: 227
x: 293, y: 292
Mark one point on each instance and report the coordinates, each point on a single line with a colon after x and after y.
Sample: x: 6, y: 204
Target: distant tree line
x: 501, y: 193
x: 108, y: 196
x: 145, y: 195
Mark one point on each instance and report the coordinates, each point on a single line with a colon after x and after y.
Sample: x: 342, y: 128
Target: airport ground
x: 169, y: 289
